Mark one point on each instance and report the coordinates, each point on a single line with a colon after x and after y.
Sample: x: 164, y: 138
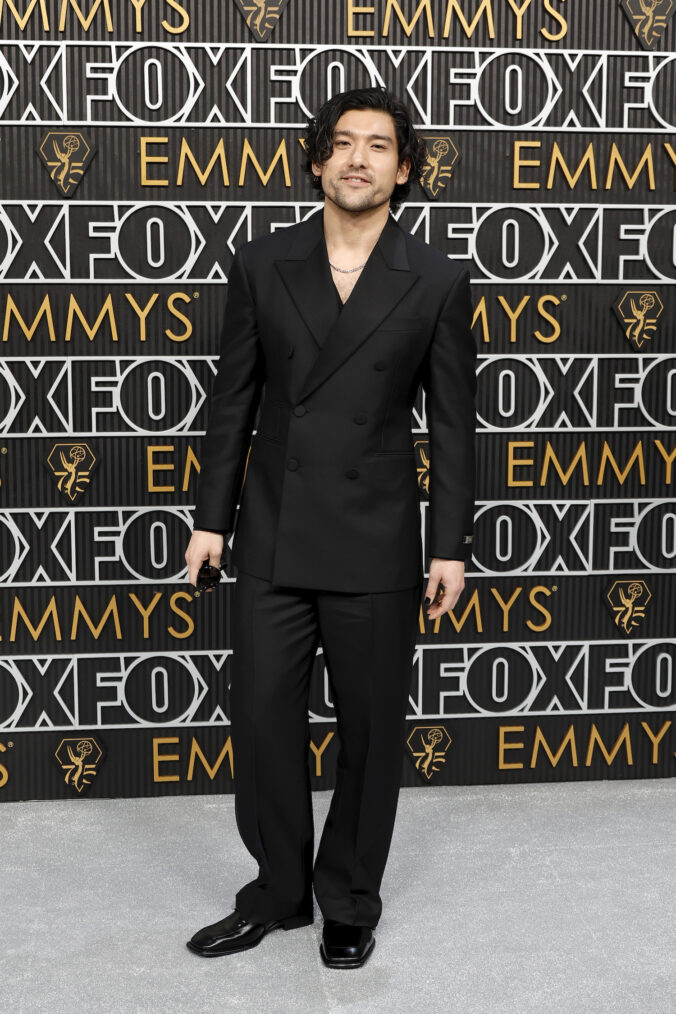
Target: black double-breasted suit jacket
x: 330, y: 495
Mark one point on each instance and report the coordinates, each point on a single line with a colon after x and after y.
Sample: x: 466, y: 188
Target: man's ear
x: 403, y: 170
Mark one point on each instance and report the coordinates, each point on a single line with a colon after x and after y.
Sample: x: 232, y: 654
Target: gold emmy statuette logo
x: 428, y: 745
x: 648, y: 19
x: 628, y: 601
x: 261, y: 16
x: 79, y: 758
x: 442, y: 158
x: 66, y: 154
x: 4, y: 773
x: 72, y: 465
x: 637, y: 312
x: 423, y: 469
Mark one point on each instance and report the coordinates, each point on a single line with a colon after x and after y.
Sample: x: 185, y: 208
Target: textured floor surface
x: 498, y: 899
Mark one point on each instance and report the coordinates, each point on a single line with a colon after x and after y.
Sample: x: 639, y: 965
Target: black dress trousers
x: 368, y: 642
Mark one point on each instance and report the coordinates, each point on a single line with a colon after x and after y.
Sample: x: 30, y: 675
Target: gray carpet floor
x: 497, y: 900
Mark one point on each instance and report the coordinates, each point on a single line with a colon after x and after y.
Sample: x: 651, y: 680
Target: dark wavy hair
x: 318, y: 137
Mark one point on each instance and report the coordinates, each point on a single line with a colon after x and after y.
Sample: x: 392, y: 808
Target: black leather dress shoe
x: 345, y: 946
x: 235, y: 933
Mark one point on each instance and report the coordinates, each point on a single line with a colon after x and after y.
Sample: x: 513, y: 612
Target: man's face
x: 364, y: 166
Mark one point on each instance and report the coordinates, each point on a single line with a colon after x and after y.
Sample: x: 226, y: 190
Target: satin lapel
x: 382, y: 284
x: 307, y: 276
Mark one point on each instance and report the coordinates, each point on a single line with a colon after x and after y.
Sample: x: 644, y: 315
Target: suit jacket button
x: 289, y: 351
x: 292, y: 464
x: 352, y: 473
x: 380, y: 365
x: 299, y: 410
x: 359, y: 419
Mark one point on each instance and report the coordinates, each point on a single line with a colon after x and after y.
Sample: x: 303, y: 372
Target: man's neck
x: 352, y: 233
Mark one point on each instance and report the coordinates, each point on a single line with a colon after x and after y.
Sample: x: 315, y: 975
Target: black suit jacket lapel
x: 383, y: 283
x: 307, y: 276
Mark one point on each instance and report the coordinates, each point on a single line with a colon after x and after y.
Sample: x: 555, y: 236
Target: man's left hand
x: 446, y: 581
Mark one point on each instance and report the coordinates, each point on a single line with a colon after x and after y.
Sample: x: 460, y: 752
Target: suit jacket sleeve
x: 234, y: 400
x: 449, y: 382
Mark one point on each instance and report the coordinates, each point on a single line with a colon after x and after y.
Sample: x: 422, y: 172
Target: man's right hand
x: 203, y: 546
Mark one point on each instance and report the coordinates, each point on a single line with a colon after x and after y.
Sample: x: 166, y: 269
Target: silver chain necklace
x: 348, y: 271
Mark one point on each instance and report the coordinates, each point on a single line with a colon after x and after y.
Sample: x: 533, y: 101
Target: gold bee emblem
x: 648, y: 19
x: 442, y: 158
x: 72, y: 465
x: 66, y: 154
x: 261, y: 16
x: 638, y: 311
x: 428, y: 745
x: 628, y: 601
x: 79, y: 758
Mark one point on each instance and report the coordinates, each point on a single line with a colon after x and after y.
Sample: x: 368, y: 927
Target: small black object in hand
x: 207, y: 578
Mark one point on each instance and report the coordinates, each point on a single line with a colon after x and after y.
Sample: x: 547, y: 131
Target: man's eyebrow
x: 371, y: 137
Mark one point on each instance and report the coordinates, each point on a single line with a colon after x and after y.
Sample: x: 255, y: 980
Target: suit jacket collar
x: 309, y: 232
x: 383, y: 283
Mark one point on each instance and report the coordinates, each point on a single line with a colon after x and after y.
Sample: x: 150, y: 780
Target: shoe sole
x: 294, y: 922
x: 346, y: 962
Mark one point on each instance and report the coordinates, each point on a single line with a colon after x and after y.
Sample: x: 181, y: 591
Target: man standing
x: 339, y: 318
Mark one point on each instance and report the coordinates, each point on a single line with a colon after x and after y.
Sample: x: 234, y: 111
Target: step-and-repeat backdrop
x: 140, y: 143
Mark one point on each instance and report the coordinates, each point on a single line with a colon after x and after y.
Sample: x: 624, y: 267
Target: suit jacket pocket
x: 401, y: 324
x: 393, y: 454
x: 264, y: 438
x: 269, y: 421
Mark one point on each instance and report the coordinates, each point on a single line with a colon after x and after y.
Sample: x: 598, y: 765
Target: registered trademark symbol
x: 196, y: 295
x: 3, y: 450
x: 555, y: 587
x: 11, y: 743
x: 564, y: 297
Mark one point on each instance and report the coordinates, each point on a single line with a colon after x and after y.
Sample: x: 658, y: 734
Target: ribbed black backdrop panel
x: 558, y: 662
